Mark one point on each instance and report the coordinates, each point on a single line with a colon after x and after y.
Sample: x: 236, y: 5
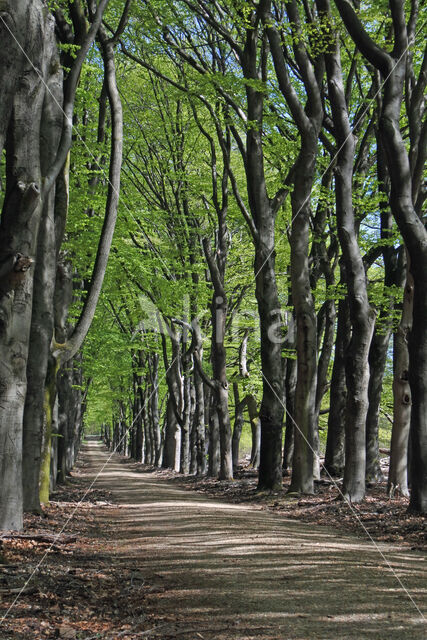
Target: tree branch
x: 69, y: 98
x: 75, y: 341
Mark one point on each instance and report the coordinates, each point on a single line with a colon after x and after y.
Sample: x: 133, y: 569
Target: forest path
x: 219, y: 571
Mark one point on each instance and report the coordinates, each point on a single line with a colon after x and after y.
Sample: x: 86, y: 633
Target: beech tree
x: 31, y: 175
x: 406, y: 196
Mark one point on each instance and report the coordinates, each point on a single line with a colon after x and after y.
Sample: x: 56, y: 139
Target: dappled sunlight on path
x: 222, y: 571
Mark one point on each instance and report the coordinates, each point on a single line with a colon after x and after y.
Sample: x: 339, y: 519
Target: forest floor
x: 147, y: 554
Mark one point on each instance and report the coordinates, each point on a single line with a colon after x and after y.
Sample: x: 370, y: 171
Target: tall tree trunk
x: 251, y: 404
x: 361, y: 315
x: 402, y: 400
x: 334, y: 455
x: 306, y: 334
x: 214, y: 449
x: 19, y: 224
x: 49, y: 402
x: 185, y: 421
x: 394, y: 274
x: 154, y: 375
x: 42, y: 320
x: 290, y: 385
x: 172, y: 438
x: 199, y: 424
x: 308, y: 119
x: 238, y: 424
x: 218, y: 353
x: 405, y: 183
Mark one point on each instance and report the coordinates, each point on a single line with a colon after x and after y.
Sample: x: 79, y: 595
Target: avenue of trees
x: 253, y: 173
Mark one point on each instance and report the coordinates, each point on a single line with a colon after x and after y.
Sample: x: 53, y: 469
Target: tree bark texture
x: 42, y: 320
x: 402, y: 397
x: 20, y: 219
x: 404, y: 185
x: 361, y: 315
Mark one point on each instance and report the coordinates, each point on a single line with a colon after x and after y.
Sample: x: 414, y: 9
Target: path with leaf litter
x: 220, y: 571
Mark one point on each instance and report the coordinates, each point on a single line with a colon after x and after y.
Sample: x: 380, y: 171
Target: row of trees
x: 291, y: 118
x: 270, y: 216
x: 38, y: 369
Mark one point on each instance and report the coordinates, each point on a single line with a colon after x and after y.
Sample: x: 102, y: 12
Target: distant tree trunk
x: 218, y: 353
x: 323, y: 260
x: 255, y: 422
x: 63, y: 296
x: 377, y: 362
x: 199, y: 424
x: 139, y: 432
x: 185, y: 414
x: 322, y: 384
x: 172, y: 436
x: 154, y: 401
x: 306, y: 337
x: 54, y: 448
x: 290, y: 385
x: 64, y: 411
x: 239, y: 420
x: 402, y: 399
x: 394, y: 270
x: 334, y: 455
x: 49, y: 402
x: 214, y: 453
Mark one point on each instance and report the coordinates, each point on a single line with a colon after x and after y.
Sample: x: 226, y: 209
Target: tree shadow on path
x: 223, y: 571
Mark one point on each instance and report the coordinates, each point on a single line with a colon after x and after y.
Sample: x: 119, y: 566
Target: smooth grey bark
x: 214, y: 443
x: 172, y: 436
x: 251, y: 404
x: 19, y: 224
x: 14, y: 36
x: 154, y: 405
x: 199, y: 421
x: 185, y: 416
x: 394, y: 270
x: 404, y: 183
x: 138, y: 400
x: 308, y: 119
x: 290, y: 385
x: 42, y: 319
x: 402, y: 397
x: 334, y: 454
x: 263, y: 212
x: 323, y: 260
x: 217, y: 263
x: 218, y: 308
x: 63, y: 296
x: 362, y: 316
x: 63, y: 395
x: 239, y: 419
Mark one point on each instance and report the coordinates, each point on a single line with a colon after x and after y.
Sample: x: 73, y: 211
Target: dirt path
x: 221, y: 571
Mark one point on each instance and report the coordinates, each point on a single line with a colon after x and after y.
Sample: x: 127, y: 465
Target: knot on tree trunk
x: 13, y: 271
